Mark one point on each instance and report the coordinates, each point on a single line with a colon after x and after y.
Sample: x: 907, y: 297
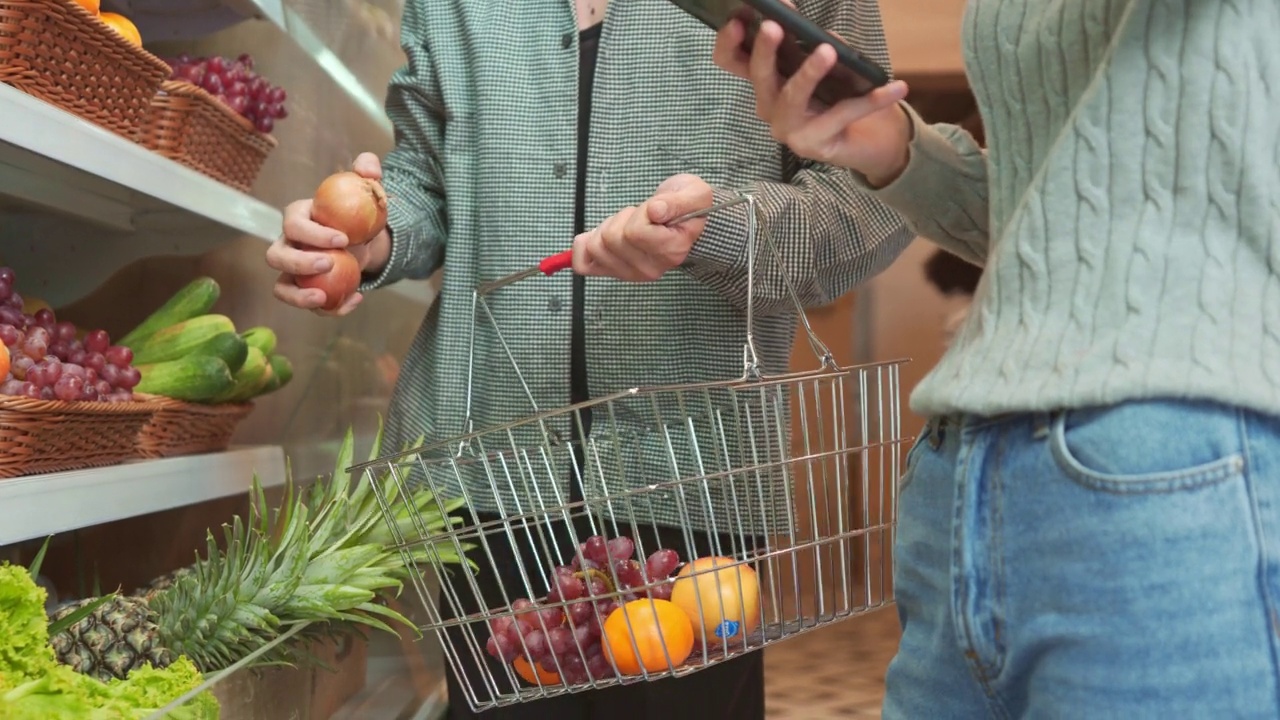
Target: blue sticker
x: 727, y: 629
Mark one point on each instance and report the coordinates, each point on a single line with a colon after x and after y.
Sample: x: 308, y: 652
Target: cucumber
x: 273, y: 382
x: 282, y: 369
x: 228, y: 346
x: 180, y: 340
x: 250, y: 378
x: 263, y: 338
x: 195, y: 378
x: 259, y: 388
x: 281, y: 373
x: 196, y: 299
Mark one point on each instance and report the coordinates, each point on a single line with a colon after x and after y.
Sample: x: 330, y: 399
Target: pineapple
x: 327, y: 559
x: 122, y: 637
x: 164, y: 582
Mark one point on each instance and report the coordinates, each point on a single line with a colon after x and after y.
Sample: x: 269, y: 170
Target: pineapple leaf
x: 258, y: 502
x: 34, y: 567
x: 373, y: 608
x: 377, y: 441
x: 334, y: 567
x: 71, y: 619
x: 345, y: 454
x: 368, y: 620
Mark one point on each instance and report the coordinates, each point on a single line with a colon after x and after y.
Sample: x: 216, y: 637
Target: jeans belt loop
x: 936, y: 435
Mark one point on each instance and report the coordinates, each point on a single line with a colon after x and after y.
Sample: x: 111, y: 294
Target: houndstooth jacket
x: 482, y: 181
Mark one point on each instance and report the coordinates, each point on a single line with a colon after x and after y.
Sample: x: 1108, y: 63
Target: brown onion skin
x: 339, y: 283
x: 353, y: 205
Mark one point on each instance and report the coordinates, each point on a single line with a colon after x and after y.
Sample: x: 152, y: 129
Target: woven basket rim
x: 161, y: 402
x: 18, y: 403
x: 184, y: 88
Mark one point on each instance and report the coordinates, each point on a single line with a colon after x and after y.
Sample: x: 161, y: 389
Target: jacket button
x: 559, y: 169
x: 566, y: 41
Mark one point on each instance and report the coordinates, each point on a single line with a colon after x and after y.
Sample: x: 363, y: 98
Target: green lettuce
x: 34, y: 686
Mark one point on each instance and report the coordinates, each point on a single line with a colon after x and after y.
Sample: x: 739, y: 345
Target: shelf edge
x: 45, y: 130
x: 40, y: 505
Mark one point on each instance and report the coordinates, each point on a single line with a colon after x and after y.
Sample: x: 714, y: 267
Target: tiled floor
x: 836, y: 673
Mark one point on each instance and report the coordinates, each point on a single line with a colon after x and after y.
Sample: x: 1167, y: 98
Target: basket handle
x: 757, y: 231
x: 756, y: 234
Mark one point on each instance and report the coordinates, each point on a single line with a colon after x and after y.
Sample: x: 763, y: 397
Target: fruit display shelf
x: 39, y: 505
x: 188, y: 19
x: 53, y: 159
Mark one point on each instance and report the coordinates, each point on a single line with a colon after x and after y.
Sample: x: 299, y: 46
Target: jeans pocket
x: 913, y: 455
x: 1148, y: 447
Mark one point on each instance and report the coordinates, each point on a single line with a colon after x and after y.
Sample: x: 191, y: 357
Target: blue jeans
x: 1092, y: 564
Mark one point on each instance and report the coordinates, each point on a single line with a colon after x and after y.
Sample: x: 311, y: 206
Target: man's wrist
x: 379, y: 253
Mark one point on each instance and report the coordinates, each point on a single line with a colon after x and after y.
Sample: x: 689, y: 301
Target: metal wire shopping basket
x: 710, y: 520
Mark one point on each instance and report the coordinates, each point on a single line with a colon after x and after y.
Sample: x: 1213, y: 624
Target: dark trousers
x: 730, y: 690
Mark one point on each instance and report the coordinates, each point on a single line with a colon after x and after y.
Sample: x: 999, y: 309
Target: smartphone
x: 853, y: 75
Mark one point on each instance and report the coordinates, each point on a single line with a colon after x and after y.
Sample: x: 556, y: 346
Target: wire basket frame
x: 654, y: 532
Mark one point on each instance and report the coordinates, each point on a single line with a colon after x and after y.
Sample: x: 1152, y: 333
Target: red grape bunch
x: 236, y: 84
x: 562, y: 635
x: 48, y: 362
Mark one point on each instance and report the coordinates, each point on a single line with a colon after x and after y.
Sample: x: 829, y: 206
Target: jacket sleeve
x: 830, y: 233
x: 412, y: 172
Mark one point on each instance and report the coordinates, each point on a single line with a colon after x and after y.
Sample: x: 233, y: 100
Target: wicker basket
x: 56, y: 51
x: 180, y: 428
x: 44, y: 436
x: 190, y: 126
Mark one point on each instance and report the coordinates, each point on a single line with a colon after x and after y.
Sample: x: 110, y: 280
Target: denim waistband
x: 939, y: 426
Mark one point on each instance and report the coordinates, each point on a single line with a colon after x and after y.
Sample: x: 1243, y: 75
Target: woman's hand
x: 636, y: 244
x: 294, y: 253
x: 869, y: 134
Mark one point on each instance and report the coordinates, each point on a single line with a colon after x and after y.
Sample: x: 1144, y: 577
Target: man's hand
x: 294, y: 253
x: 636, y: 244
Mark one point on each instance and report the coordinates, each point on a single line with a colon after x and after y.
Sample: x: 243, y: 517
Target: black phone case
x: 853, y: 75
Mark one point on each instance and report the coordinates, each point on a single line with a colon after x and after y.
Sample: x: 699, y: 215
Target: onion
x: 339, y: 282
x: 353, y: 205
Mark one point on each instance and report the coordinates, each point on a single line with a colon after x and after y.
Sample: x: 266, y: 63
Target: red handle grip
x: 556, y: 263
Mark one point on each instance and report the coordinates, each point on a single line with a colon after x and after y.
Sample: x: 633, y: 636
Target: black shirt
x: 589, y: 44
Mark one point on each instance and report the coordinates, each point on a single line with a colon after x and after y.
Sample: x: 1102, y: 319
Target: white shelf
x: 51, y: 158
x: 41, y: 505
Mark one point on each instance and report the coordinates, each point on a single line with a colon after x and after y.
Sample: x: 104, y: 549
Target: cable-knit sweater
x: 1127, y: 212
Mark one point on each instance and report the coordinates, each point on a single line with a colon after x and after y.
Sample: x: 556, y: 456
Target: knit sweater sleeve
x: 943, y: 193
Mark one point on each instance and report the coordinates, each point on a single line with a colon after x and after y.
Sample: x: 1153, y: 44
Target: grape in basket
x: 47, y: 360
x: 562, y: 633
x: 236, y: 85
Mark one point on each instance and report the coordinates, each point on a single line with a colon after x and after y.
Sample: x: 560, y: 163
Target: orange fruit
x: 534, y: 674
x: 721, y: 598
x: 30, y: 305
x: 122, y: 25
x: 659, y: 629
x: 4, y: 360
x: 93, y: 6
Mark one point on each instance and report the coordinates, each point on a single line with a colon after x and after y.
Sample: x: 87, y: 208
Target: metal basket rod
x: 757, y: 232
